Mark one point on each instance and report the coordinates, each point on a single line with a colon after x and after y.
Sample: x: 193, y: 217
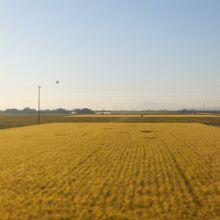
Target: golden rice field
x: 110, y: 171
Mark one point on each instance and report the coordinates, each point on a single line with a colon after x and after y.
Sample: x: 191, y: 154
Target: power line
x: 133, y: 89
x: 115, y: 89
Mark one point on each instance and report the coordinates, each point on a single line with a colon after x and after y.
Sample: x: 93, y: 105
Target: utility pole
x: 38, y: 112
x: 204, y: 107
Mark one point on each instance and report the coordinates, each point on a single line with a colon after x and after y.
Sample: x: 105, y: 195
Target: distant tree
x: 28, y: 111
x: 84, y: 111
x: 12, y: 111
x: 46, y: 111
x: 61, y: 111
x: 184, y: 111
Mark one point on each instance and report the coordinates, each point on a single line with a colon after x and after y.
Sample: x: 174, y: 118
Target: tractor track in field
x: 192, y: 146
x: 185, y: 179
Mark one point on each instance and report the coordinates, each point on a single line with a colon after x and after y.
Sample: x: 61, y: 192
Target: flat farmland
x: 10, y: 121
x: 110, y: 171
x: 148, y: 116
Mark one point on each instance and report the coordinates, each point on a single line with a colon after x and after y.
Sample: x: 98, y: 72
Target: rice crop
x: 123, y: 171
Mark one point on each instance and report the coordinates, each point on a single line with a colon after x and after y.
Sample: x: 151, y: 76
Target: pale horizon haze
x: 125, y: 54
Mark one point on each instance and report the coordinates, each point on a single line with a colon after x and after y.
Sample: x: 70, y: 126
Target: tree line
x: 28, y: 110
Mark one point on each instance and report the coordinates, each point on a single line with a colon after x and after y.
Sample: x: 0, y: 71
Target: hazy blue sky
x: 112, y: 45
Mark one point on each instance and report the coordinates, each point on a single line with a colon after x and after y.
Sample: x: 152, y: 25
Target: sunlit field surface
x: 10, y: 121
x: 149, y: 115
x: 110, y: 171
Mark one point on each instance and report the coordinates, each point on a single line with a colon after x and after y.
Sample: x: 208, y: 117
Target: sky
x: 110, y: 54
